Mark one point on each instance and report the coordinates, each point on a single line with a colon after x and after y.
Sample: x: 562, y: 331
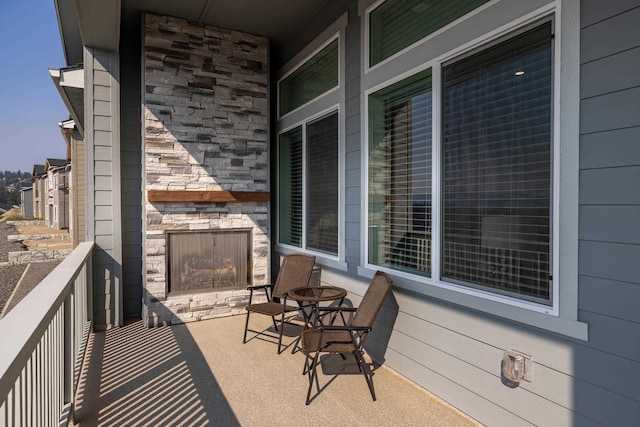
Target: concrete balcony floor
x: 202, y: 374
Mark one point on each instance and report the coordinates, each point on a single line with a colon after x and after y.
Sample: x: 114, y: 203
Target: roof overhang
x: 96, y: 23
x: 70, y: 84
x: 93, y: 23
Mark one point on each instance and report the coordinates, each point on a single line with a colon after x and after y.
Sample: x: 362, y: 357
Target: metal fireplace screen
x: 208, y: 260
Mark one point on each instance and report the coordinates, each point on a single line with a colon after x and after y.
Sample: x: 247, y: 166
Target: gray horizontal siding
x: 609, y: 248
x: 611, y: 35
x: 610, y: 149
x: 596, y: 76
x: 611, y: 297
x: 615, y: 110
x: 594, y: 11
x: 610, y: 186
x: 610, y: 223
x: 615, y: 261
x: 353, y: 141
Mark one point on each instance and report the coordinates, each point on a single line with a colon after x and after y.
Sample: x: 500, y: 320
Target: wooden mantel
x: 207, y: 196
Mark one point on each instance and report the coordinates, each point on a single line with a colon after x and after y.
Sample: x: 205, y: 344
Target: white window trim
x: 331, y: 101
x: 561, y: 317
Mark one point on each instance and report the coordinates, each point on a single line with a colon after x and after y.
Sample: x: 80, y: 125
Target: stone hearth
x: 205, y: 130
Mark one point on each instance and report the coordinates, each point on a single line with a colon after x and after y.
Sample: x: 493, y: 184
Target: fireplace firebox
x: 211, y: 260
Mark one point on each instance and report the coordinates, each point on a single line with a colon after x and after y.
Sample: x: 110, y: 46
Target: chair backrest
x: 295, y: 272
x: 371, y: 303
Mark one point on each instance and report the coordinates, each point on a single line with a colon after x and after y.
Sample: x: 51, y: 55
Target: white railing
x: 42, y: 343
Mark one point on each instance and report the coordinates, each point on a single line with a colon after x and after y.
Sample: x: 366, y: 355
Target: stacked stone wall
x: 206, y: 128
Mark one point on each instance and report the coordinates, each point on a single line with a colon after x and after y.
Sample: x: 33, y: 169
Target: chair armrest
x: 345, y: 328
x: 266, y: 289
x: 252, y: 288
x: 322, y: 312
x: 348, y: 309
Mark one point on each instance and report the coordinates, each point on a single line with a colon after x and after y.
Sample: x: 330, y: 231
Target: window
x: 400, y: 175
x: 308, y: 185
x: 497, y: 167
x: 313, y: 78
x: 310, y: 149
x: 495, y: 170
x: 396, y: 24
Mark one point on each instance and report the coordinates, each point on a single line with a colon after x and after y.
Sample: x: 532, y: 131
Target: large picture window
x: 308, y: 185
x: 497, y: 167
x: 495, y: 170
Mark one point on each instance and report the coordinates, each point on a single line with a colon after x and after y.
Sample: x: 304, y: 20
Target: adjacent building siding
x: 78, y: 189
x: 456, y: 352
x: 102, y: 135
x: 26, y: 199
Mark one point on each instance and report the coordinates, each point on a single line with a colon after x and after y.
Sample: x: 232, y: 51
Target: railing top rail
x: 22, y: 327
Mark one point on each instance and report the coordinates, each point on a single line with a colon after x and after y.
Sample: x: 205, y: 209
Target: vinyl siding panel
x: 610, y: 149
x: 611, y: 111
x: 79, y: 169
x: 353, y: 142
x: 596, y: 76
x: 613, y: 34
x: 594, y: 11
x: 609, y: 246
x: 611, y: 223
x: 102, y: 142
x: 606, y: 296
x: 615, y: 261
x: 610, y: 186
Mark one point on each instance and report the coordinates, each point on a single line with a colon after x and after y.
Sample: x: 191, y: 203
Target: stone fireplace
x: 205, y: 160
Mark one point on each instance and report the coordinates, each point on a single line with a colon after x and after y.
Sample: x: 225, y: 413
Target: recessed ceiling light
x: 519, y: 73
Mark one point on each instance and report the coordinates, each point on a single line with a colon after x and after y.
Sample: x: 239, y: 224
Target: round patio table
x: 316, y: 294
x: 310, y: 297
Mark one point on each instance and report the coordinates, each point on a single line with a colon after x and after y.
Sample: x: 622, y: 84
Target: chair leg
x: 366, y: 371
x: 246, y: 326
x: 312, y: 374
x: 281, y: 332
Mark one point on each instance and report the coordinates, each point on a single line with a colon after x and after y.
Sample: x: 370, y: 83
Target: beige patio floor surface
x: 201, y: 374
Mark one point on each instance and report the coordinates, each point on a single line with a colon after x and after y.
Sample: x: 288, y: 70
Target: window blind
x: 396, y: 24
x: 322, y: 184
x: 497, y: 109
x: 290, y: 187
x: 400, y: 175
x: 310, y: 80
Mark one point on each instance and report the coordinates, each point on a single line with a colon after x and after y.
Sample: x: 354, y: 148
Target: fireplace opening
x: 211, y: 260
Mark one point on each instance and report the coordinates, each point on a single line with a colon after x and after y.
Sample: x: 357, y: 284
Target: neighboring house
x: 76, y: 180
x: 26, y: 202
x: 40, y: 192
x: 483, y: 153
x: 56, y: 213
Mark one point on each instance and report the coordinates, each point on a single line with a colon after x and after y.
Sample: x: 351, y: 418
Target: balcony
x: 190, y: 374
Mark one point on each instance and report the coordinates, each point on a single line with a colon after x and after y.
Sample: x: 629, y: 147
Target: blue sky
x: 30, y: 107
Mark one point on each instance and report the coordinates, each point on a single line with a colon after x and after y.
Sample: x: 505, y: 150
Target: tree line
x: 10, y: 184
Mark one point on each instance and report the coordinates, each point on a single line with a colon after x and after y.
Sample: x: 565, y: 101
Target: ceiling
x: 97, y: 22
